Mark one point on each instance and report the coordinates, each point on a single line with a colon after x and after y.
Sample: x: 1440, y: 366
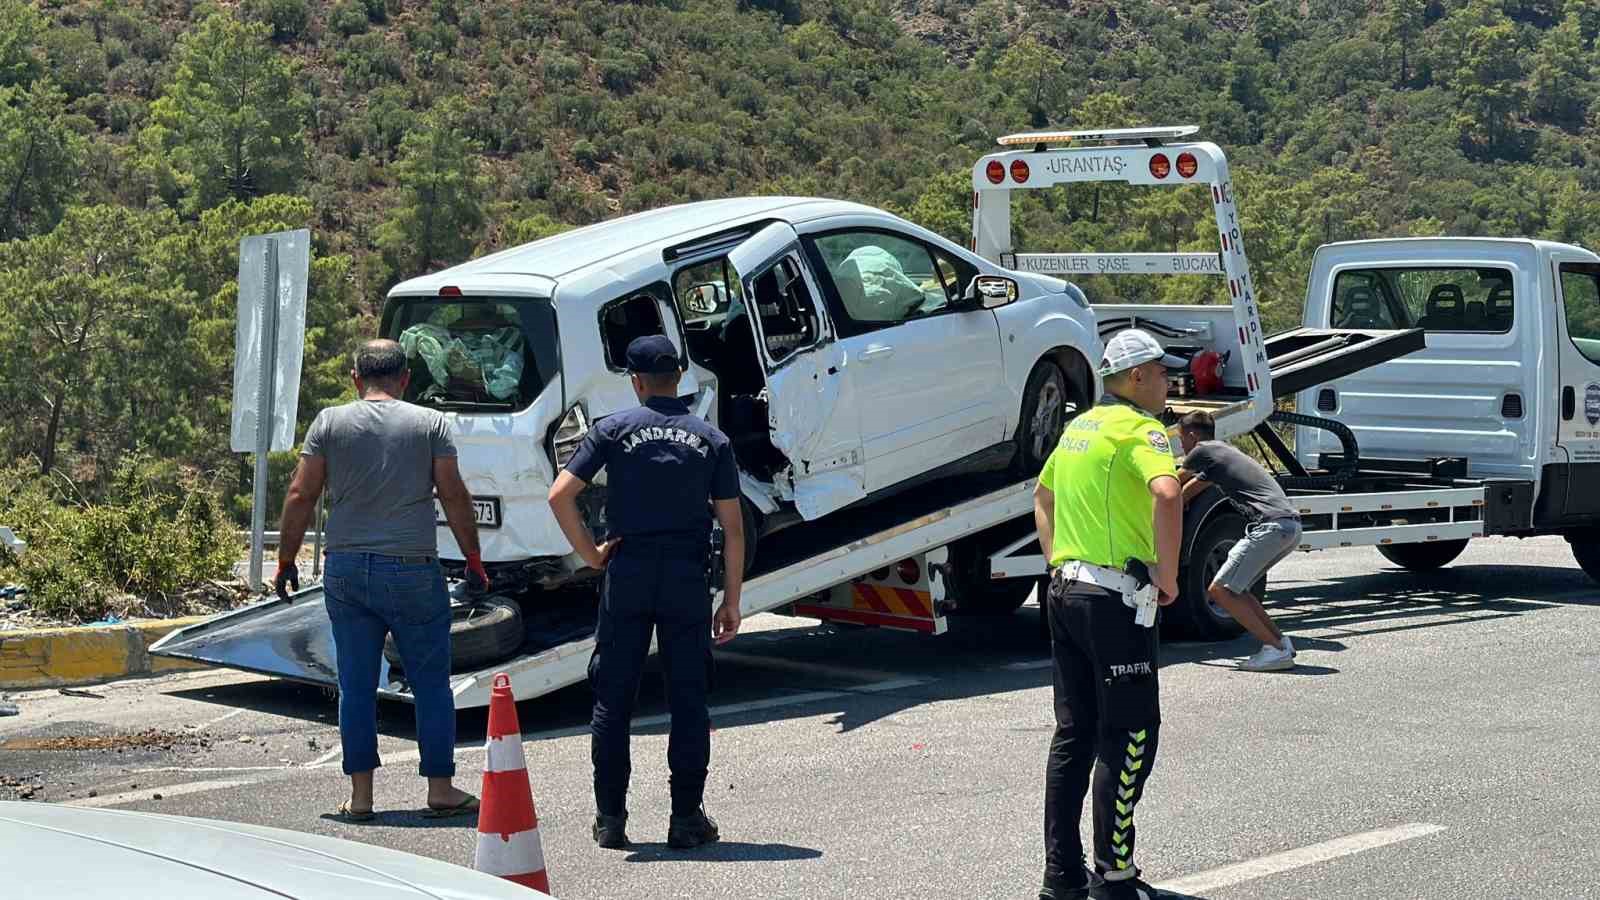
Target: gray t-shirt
x: 380, y: 457
x: 1250, y: 488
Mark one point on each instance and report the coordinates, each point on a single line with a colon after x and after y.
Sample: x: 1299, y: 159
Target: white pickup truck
x: 1506, y: 392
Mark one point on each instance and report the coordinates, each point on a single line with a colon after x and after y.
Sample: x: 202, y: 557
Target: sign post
x: 268, y: 351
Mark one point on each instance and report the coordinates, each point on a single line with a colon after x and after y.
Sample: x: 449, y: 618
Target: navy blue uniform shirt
x: 662, y: 464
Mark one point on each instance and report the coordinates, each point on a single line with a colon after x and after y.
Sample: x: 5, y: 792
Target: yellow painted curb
x: 57, y: 657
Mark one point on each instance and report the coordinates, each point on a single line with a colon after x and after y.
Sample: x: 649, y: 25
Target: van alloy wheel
x: 1048, y: 415
x: 1044, y: 415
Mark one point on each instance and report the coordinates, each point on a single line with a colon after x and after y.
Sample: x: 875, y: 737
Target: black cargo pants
x: 1108, y: 715
x: 652, y: 585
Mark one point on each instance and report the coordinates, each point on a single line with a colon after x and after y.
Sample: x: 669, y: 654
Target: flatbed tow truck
x: 968, y: 545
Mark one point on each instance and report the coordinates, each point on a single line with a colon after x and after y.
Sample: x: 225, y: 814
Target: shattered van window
x: 470, y: 353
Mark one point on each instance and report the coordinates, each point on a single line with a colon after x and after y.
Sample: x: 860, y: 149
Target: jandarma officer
x: 1108, y: 494
x: 667, y: 470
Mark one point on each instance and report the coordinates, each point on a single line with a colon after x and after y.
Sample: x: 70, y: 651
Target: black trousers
x: 1108, y: 716
x: 660, y: 586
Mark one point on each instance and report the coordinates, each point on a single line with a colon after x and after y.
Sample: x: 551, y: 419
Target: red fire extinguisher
x: 1206, y: 367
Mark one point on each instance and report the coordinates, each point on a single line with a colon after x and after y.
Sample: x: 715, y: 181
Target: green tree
x: 40, y: 154
x: 20, y: 28
x: 1561, y: 84
x: 232, y: 119
x: 945, y: 206
x: 1036, y: 74
x: 1481, y: 47
x: 1398, y: 26
x: 440, y: 210
x: 76, y: 297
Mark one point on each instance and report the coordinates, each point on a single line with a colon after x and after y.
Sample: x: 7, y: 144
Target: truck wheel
x: 1586, y: 551
x: 1000, y: 598
x: 971, y: 589
x: 484, y: 631
x: 1195, y: 614
x: 1044, y: 415
x: 752, y: 535
x: 1043, y: 588
x: 1423, y: 557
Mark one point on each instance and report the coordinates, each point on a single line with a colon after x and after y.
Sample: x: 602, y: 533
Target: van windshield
x: 485, y: 354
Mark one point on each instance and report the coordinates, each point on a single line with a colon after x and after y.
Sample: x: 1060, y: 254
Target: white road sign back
x: 270, y: 340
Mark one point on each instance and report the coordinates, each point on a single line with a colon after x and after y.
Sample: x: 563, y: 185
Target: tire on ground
x: 1586, y: 552
x: 1423, y: 557
x: 1194, y: 615
x: 484, y: 631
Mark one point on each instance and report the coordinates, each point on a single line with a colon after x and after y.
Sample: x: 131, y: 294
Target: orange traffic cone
x: 508, y: 826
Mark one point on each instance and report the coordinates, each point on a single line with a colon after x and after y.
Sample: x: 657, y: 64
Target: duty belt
x: 1099, y: 576
x: 1137, y: 596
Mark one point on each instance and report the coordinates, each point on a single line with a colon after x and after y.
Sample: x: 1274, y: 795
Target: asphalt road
x: 1435, y: 742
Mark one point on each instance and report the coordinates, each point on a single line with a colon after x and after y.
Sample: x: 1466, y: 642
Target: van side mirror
x: 991, y: 291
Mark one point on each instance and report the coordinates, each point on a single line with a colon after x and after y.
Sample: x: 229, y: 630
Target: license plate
x: 485, y: 510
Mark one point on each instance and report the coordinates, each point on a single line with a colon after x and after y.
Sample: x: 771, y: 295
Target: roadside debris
x: 149, y: 739
x: 20, y: 787
x: 78, y: 692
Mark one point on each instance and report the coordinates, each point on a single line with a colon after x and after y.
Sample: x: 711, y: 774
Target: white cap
x: 1133, y: 347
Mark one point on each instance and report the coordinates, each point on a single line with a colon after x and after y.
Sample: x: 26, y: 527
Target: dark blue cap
x: 653, y: 354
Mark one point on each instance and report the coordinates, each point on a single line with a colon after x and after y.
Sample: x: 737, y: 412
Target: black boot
x: 610, y: 832
x: 693, y: 830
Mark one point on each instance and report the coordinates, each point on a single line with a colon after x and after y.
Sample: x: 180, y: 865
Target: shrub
x: 288, y: 18
x: 158, y: 531
x: 349, y: 18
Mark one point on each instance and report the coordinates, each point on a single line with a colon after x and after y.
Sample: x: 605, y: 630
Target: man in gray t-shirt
x: 381, y: 461
x: 1273, y: 532
x: 381, y: 493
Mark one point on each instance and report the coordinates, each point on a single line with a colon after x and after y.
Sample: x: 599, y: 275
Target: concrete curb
x: 59, y: 657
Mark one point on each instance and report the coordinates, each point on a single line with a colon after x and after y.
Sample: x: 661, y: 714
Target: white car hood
x: 55, y: 851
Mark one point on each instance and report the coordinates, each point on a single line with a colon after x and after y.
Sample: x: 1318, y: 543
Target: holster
x: 715, y: 559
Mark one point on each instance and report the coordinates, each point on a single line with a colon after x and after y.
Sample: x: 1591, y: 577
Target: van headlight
x: 570, y: 432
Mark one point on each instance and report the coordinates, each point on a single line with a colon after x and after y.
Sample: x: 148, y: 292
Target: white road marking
x: 1293, y: 859
x: 166, y: 790
x: 219, y: 719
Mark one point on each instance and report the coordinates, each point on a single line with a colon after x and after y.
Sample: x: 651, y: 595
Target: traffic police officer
x: 666, y: 470
x: 1108, y: 495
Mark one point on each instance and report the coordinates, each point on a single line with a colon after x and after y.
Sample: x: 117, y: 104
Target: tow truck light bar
x: 1153, y: 137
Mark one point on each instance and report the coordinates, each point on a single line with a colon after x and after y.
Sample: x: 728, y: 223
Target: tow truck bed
x: 292, y: 639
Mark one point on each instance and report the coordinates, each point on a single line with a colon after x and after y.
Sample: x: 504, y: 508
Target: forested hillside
x: 139, y: 139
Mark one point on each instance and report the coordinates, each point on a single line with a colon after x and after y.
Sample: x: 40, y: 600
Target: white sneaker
x: 1269, y: 659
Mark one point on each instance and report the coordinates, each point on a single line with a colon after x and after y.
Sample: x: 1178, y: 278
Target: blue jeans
x: 368, y: 596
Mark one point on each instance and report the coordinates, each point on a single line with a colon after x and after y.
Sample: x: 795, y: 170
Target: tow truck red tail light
x: 1019, y: 171
x: 1187, y: 164
x: 1160, y: 166
x: 909, y: 571
x: 996, y: 171
x: 449, y: 290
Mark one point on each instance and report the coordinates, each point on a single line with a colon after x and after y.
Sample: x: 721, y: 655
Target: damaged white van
x: 847, y: 353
